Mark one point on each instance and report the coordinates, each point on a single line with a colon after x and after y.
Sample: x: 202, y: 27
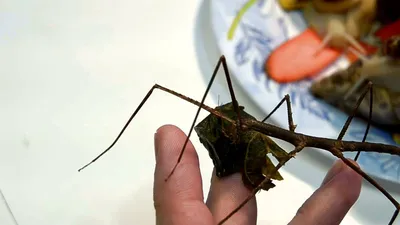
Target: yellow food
x: 396, y: 138
x: 292, y: 4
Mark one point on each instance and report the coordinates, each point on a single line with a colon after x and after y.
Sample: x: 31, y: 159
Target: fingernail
x: 335, y: 170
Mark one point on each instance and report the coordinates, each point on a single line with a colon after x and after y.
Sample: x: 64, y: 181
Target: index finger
x: 180, y: 199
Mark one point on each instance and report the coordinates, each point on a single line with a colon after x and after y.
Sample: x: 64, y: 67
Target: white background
x: 73, y: 71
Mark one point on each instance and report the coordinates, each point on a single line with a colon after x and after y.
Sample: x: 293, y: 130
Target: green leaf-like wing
x: 257, y: 164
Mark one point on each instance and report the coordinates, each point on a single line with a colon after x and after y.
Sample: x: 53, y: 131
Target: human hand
x: 180, y: 200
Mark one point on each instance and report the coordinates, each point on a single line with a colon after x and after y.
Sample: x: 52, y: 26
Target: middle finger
x: 225, y: 195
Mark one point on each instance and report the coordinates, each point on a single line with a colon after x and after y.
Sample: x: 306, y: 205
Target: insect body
x: 246, y: 152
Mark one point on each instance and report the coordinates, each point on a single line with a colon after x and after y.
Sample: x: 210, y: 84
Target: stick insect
x: 233, y: 127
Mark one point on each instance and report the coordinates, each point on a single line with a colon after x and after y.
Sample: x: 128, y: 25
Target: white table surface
x: 73, y: 71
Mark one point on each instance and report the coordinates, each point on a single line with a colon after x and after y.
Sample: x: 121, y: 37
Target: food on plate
x: 295, y: 59
x: 359, y: 20
x: 238, y: 17
x: 334, y: 6
x: 383, y: 68
x: 324, y: 42
x: 292, y: 4
x: 339, y: 30
x: 387, y: 11
x: 388, y: 31
x: 391, y: 47
x: 396, y: 138
x: 341, y: 89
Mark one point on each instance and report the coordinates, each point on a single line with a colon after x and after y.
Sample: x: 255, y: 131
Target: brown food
x: 359, y: 20
x: 334, y: 6
x: 391, y: 47
x: 388, y: 11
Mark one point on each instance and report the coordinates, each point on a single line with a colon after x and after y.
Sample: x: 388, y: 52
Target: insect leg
x: 349, y: 119
x: 395, y: 214
x: 380, y: 70
x: 123, y: 129
x: 339, y: 154
x: 292, y: 127
x: 232, y: 93
x: 370, y: 86
x: 355, y: 168
x: 200, y: 104
x: 267, y: 179
x: 222, y: 61
x: 156, y: 86
x: 362, y: 79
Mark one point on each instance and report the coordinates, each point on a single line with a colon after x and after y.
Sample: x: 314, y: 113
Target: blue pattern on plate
x: 262, y: 29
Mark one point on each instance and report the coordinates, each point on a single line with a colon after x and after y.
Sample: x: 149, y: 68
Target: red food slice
x: 388, y: 31
x: 296, y: 59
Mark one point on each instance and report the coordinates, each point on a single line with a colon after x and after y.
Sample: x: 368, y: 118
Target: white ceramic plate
x: 263, y: 28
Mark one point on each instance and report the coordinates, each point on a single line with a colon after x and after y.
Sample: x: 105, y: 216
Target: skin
x: 180, y: 201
